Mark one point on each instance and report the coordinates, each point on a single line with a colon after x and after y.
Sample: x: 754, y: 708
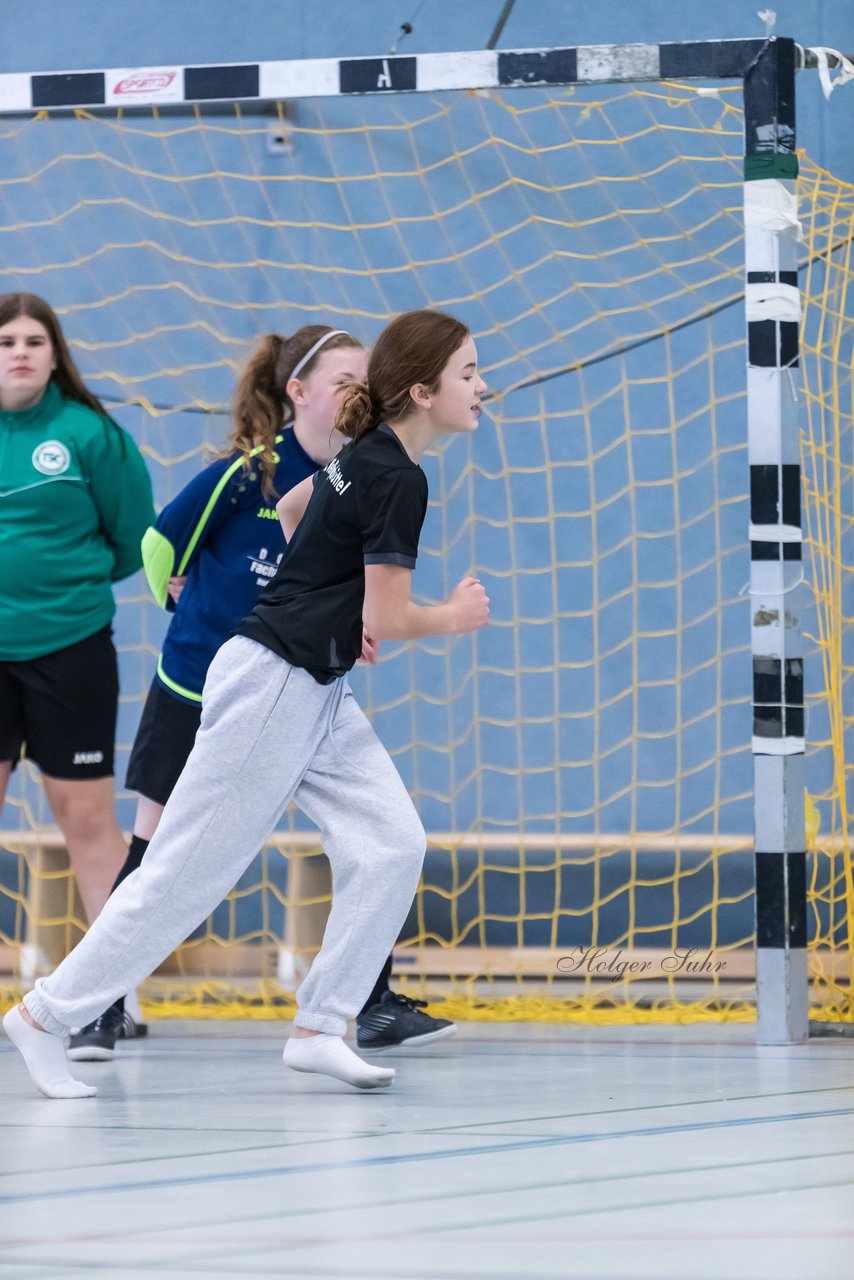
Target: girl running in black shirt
x: 279, y: 723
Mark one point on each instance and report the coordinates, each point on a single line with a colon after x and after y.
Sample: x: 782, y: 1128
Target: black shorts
x: 164, y: 740
x: 60, y: 710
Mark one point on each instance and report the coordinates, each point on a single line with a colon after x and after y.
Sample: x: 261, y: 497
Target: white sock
x: 132, y: 1006
x: 330, y: 1056
x: 44, y: 1055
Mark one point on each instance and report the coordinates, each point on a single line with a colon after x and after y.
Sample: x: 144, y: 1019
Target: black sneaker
x: 97, y: 1042
x: 131, y: 1029
x: 397, y: 1020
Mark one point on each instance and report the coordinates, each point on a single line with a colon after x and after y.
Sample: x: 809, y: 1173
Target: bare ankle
x: 28, y: 1018
x: 299, y: 1033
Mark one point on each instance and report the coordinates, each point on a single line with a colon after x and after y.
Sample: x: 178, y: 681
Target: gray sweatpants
x: 269, y: 734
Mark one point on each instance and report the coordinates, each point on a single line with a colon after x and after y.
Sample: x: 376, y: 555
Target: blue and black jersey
x: 224, y: 535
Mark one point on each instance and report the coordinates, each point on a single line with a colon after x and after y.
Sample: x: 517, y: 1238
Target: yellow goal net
x: 583, y: 766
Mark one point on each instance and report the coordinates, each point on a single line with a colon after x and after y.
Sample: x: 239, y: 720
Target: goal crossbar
x: 122, y: 87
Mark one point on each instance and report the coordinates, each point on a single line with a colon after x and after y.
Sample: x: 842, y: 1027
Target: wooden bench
x: 54, y: 916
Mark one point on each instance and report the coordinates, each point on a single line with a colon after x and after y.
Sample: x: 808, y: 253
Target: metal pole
x: 771, y: 229
x: 499, y: 26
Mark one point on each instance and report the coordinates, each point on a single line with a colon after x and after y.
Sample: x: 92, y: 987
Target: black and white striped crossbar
x: 332, y: 77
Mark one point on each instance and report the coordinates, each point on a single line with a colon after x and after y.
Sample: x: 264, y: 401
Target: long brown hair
x: 413, y: 348
x: 66, y: 374
x: 262, y: 405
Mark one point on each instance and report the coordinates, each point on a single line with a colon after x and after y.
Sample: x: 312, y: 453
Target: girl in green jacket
x: 75, y: 500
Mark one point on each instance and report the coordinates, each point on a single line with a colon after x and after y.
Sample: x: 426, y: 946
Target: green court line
x: 561, y: 1213
x: 639, y: 1205
x: 432, y: 1197
x: 132, y: 1162
x: 428, y: 1197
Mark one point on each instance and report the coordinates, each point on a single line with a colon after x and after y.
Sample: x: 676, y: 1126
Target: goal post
x: 776, y: 553
x: 766, y: 69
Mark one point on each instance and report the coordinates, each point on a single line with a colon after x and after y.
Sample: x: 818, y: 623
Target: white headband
x: 321, y: 342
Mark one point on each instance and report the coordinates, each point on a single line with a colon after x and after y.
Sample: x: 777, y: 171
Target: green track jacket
x: 75, y: 500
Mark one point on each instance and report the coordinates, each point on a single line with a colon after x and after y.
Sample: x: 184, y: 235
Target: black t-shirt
x: 367, y: 507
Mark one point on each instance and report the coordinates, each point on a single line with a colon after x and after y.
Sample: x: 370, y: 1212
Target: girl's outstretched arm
x: 389, y: 614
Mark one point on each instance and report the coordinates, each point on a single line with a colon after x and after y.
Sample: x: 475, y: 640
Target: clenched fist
x: 470, y: 605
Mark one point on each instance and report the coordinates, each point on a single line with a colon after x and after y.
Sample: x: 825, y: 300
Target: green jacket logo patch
x: 51, y: 458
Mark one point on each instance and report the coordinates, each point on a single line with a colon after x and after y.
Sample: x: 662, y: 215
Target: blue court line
x: 292, y: 1138
x: 449, y: 1153
x: 644, y: 1107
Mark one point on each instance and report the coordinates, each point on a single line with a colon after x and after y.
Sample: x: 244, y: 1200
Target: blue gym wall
x: 209, y: 31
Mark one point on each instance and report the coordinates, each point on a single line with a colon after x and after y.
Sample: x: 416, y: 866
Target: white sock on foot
x: 330, y: 1056
x: 132, y: 1006
x: 44, y: 1055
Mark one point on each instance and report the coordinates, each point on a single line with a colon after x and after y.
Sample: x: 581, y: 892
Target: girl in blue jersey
x: 219, y: 541
x: 280, y: 723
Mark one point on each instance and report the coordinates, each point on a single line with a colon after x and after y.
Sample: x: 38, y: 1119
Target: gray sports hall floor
x: 510, y: 1152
